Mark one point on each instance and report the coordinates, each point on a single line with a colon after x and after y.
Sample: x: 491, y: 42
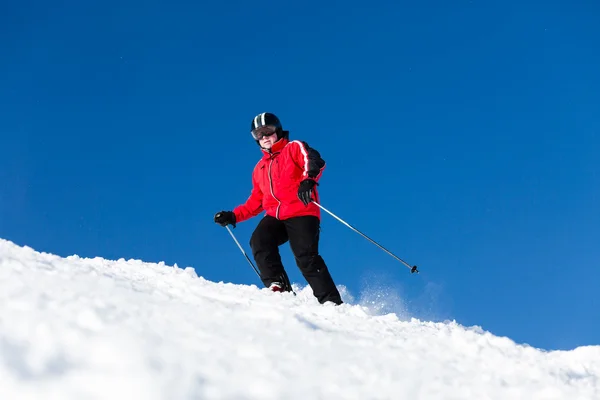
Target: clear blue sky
x: 462, y: 135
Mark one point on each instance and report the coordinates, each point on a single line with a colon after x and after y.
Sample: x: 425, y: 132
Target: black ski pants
x: 303, y: 235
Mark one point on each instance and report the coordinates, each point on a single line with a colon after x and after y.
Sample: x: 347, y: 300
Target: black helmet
x: 270, y: 119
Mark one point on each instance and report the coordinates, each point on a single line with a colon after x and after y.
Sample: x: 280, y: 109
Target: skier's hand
x: 305, y: 190
x: 225, y: 218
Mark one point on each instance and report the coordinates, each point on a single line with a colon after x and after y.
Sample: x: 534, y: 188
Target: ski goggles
x: 263, y: 131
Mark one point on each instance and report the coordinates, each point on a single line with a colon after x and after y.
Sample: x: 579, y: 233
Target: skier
x: 284, y: 185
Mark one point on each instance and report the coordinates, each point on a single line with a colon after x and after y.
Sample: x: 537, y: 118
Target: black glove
x: 305, y: 190
x: 225, y: 218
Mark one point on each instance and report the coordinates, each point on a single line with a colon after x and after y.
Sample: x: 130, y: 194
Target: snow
x: 75, y: 328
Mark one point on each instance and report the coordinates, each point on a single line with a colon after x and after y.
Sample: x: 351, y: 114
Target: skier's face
x: 266, y: 142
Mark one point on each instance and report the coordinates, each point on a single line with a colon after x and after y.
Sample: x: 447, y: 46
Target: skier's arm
x: 308, y: 159
x: 252, y: 206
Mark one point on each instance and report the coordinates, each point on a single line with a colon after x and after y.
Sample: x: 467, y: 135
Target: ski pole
x: 243, y: 252
x: 413, y: 269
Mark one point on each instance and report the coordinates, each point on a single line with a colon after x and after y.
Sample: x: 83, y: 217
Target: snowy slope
x: 73, y: 328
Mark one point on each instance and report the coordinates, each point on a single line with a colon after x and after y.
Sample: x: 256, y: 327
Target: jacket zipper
x: 273, y: 193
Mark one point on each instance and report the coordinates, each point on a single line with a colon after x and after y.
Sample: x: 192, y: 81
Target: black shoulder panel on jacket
x: 315, y: 162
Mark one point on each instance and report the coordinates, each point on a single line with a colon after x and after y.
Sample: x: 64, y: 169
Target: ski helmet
x: 269, y: 119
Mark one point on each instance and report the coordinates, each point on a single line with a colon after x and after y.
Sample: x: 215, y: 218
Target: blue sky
x: 463, y: 136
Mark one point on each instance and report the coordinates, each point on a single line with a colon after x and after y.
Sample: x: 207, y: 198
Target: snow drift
x: 73, y: 328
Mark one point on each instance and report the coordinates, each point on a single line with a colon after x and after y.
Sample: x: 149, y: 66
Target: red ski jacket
x: 276, y: 178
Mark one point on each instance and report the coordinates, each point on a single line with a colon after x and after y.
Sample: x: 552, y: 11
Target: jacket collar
x: 277, y: 147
